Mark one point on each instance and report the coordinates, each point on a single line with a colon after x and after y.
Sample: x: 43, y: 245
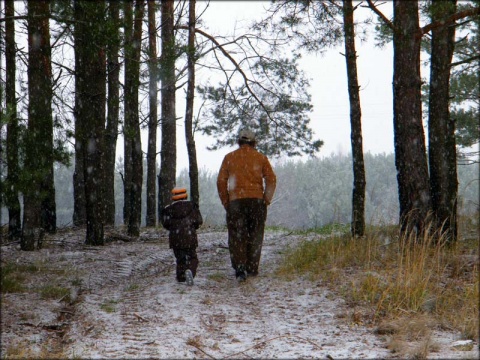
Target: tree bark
x: 358, y: 196
x: 416, y: 203
x: 441, y: 129
x: 90, y: 50
x: 189, y: 134
x: 132, y: 125
x: 168, y: 166
x: 11, y: 184
x: 2, y: 188
x: 79, y: 217
x: 151, y: 217
x: 39, y: 197
x: 113, y: 102
x: 127, y: 136
x: 409, y: 139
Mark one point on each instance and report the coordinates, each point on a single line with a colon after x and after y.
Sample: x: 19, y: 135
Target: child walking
x: 182, y: 218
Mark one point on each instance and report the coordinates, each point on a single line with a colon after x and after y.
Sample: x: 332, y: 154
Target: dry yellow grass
x: 26, y: 350
x: 410, y: 281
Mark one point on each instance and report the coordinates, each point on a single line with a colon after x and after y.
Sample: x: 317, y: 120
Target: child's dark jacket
x: 182, y: 218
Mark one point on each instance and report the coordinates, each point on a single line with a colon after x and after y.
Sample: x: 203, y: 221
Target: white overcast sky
x: 330, y: 117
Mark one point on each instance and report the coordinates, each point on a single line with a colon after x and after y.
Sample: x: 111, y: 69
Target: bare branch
x: 450, y: 20
x: 387, y: 22
x: 466, y: 61
x: 237, y: 67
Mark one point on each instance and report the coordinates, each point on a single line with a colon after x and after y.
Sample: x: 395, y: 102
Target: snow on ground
x: 129, y: 305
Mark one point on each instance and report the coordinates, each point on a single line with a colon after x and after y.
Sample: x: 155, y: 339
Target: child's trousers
x: 186, y: 259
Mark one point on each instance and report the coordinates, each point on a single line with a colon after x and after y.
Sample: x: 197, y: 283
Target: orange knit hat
x: 179, y: 194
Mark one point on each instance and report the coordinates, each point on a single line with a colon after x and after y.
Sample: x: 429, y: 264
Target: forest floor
x: 121, y: 301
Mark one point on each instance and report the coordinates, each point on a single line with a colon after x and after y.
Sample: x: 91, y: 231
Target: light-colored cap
x: 246, y: 135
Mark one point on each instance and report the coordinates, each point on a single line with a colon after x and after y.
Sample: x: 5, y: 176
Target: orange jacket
x: 242, y: 175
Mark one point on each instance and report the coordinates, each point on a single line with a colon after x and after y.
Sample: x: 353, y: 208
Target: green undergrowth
x: 20, y: 278
x: 13, y: 275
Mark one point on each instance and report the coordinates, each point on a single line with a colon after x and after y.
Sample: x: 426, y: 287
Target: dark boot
x: 240, y: 273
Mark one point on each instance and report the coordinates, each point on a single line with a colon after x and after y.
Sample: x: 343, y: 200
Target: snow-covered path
x: 129, y: 305
x: 153, y: 316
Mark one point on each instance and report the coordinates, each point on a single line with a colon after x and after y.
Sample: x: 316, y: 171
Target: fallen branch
x: 63, y: 297
x: 191, y: 343
x: 54, y: 327
x: 275, y: 338
x: 254, y: 346
x: 23, y: 323
x: 116, y: 236
x: 11, y: 242
x: 67, y: 312
x: 140, y: 317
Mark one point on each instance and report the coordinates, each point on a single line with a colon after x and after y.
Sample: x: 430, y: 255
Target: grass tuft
x: 12, y: 276
x: 11, y: 279
x: 109, y: 306
x: 54, y: 292
x: 216, y: 276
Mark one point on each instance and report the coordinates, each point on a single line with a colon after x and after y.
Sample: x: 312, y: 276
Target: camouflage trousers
x: 246, y: 225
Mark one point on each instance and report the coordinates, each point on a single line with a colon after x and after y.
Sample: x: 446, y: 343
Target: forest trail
x: 127, y: 304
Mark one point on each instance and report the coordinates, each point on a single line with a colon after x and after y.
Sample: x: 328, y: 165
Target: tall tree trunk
x: 49, y: 213
x: 11, y: 184
x: 151, y: 217
x: 168, y: 166
x: 79, y: 217
x: 358, y: 196
x: 39, y: 207
x: 48, y: 208
x: 1, y: 164
x: 127, y: 136
x: 441, y: 129
x: 111, y: 133
x: 2, y: 117
x: 90, y: 50
x: 409, y: 139
x: 132, y: 125
x: 189, y: 136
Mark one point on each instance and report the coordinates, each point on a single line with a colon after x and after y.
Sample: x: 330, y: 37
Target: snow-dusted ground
x: 128, y: 305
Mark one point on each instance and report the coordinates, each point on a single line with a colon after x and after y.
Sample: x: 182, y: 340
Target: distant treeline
x: 309, y: 193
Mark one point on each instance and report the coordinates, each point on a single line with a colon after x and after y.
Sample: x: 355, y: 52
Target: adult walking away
x: 182, y: 218
x: 246, y: 185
